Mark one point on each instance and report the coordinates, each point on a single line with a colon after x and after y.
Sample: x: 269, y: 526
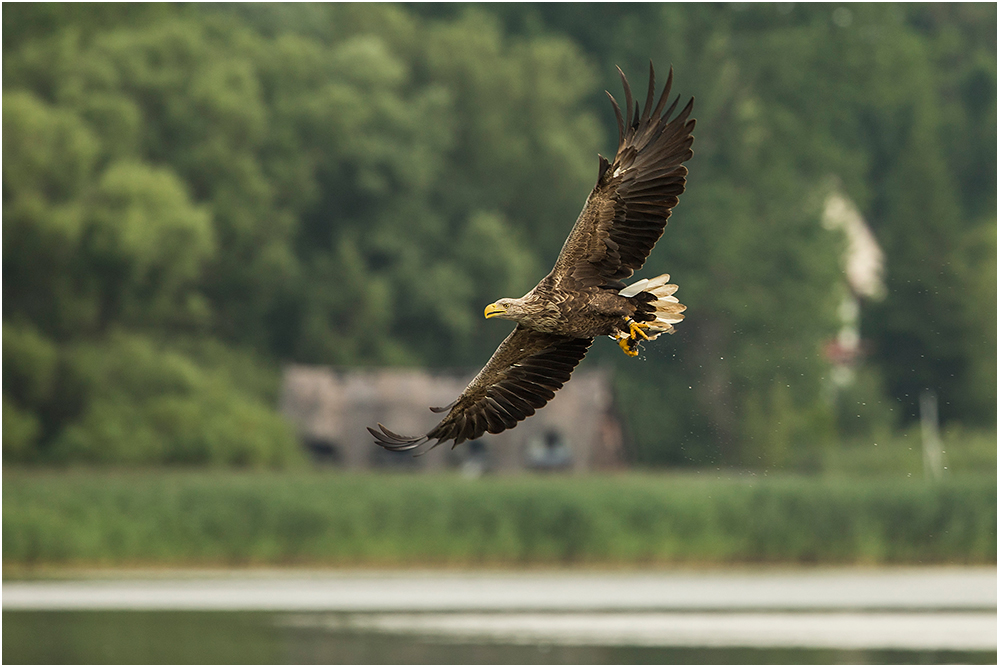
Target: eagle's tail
x: 657, y: 304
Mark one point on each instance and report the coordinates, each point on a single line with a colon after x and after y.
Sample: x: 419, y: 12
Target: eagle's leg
x: 636, y: 330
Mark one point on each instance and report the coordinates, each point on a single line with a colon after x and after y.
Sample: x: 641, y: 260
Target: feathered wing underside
x: 627, y: 211
x: 521, y: 377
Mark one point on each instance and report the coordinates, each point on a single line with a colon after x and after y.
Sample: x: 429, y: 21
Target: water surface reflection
x: 116, y: 637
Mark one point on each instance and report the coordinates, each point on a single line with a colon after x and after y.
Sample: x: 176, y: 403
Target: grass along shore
x: 220, y: 518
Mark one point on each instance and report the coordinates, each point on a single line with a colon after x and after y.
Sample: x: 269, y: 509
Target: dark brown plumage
x: 584, y: 295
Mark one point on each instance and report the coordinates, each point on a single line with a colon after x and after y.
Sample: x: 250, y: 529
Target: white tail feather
x: 667, y: 309
x: 634, y: 289
x: 647, y: 285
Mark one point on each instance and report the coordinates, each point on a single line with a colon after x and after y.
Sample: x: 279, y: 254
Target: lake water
x: 771, y: 616
x: 216, y: 637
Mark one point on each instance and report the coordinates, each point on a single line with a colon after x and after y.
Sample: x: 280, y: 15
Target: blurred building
x: 578, y: 430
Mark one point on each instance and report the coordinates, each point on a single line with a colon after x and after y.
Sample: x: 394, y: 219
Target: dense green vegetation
x: 193, y: 194
x: 88, y: 518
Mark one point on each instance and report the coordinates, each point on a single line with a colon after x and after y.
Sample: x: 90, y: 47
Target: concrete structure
x: 578, y: 430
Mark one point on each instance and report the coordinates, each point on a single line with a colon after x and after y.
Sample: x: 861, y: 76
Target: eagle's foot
x: 636, y: 330
x: 629, y: 345
x: 628, y: 342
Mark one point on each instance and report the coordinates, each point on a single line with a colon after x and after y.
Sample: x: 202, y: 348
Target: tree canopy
x: 194, y: 194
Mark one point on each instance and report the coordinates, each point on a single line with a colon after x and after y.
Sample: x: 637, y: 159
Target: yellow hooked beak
x: 494, y: 310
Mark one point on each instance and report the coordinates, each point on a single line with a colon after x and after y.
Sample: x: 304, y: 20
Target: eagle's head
x: 506, y: 308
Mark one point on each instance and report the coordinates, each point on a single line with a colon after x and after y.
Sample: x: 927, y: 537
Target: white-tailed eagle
x: 584, y: 295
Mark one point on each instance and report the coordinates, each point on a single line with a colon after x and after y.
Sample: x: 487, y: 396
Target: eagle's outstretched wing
x: 620, y: 223
x: 626, y: 212
x: 521, y: 377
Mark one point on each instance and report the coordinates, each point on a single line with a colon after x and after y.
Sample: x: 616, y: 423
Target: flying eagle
x: 584, y: 295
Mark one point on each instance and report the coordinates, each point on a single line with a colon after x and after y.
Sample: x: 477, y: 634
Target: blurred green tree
x: 897, y: 103
x: 212, y: 188
x: 310, y: 198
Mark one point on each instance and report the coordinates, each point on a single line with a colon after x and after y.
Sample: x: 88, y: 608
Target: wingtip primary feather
x: 650, y: 92
x: 390, y: 440
x: 618, y: 118
x: 602, y: 167
x: 628, y: 99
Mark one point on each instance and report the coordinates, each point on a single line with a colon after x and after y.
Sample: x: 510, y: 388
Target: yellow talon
x: 625, y: 343
x: 636, y: 329
x: 629, y: 341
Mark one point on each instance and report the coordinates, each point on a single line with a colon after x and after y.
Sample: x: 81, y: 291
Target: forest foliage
x: 195, y: 194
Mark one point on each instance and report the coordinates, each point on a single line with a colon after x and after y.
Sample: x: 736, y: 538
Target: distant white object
x: 934, y: 465
x: 864, y: 261
x: 864, y: 264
